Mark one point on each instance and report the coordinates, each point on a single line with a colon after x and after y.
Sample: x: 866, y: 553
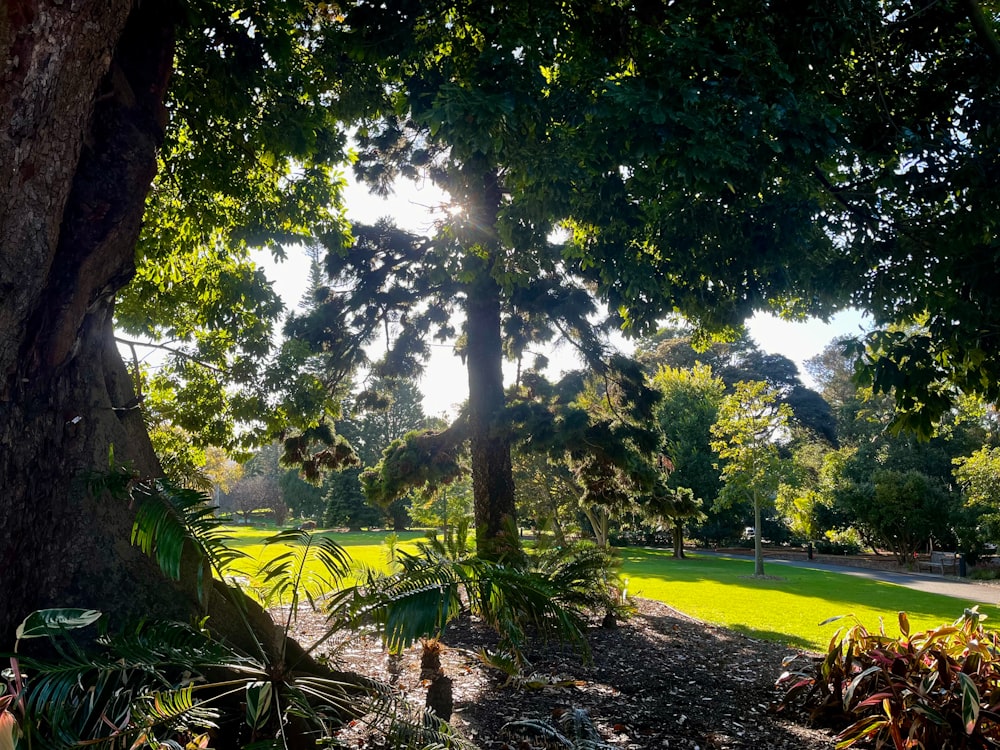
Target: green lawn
x: 722, y: 591
x: 715, y: 589
x: 366, y: 548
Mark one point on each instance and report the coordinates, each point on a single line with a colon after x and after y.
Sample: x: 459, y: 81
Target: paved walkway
x: 959, y: 588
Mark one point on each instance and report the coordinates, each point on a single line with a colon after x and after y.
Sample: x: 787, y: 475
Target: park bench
x: 942, y: 561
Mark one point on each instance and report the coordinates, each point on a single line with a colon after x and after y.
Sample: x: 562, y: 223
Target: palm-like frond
x: 575, y: 731
x: 170, y: 518
x: 454, y: 545
x: 513, y: 601
x: 423, y: 731
x: 312, y: 567
x: 108, y: 707
x: 583, y: 576
x: 132, y: 684
x: 550, y: 598
x: 415, y: 602
x: 170, y: 708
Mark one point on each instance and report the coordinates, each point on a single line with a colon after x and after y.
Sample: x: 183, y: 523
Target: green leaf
x: 860, y: 730
x: 828, y: 620
x: 47, y: 622
x: 258, y: 703
x: 970, y: 702
x: 171, y: 521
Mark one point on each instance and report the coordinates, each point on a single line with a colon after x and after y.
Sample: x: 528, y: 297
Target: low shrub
x: 839, y: 543
x: 984, y: 573
x: 938, y: 688
x: 640, y: 538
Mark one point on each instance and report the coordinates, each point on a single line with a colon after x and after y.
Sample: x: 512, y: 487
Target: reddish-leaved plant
x: 937, y: 689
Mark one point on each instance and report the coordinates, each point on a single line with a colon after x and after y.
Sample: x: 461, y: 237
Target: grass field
x: 366, y: 548
x: 786, y: 608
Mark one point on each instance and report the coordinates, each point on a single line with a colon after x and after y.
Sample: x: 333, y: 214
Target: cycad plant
x: 548, y: 593
x: 170, y: 684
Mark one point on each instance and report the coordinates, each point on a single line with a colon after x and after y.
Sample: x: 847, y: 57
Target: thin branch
x: 136, y: 375
x: 172, y: 350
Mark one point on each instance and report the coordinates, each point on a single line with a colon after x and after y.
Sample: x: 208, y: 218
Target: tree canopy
x: 711, y: 158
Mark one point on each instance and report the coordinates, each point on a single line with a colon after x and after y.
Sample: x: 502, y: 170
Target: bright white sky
x: 444, y: 384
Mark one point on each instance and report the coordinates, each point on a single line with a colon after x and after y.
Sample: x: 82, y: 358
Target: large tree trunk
x: 81, y: 107
x: 492, y: 471
x: 83, y: 113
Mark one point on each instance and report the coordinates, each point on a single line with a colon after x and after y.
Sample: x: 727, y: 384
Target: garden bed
x: 659, y: 680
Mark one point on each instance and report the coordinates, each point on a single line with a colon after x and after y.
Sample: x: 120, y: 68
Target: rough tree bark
x: 492, y: 471
x: 677, y: 531
x: 81, y: 117
x: 82, y: 87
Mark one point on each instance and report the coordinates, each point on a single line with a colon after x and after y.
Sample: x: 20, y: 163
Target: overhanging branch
x: 173, y: 350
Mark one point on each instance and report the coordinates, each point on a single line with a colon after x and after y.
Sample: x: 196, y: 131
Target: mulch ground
x: 657, y: 680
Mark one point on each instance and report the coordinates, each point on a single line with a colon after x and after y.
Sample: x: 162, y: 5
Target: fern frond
x: 537, y: 730
x: 575, y: 731
x: 168, y: 518
x: 576, y: 724
x: 171, y: 707
x: 511, y: 600
x: 131, y: 683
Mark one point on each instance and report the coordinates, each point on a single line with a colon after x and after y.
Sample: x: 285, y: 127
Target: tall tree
x: 87, y: 116
x: 381, y: 414
x: 547, y: 495
x: 694, y: 146
x: 384, y: 411
x: 979, y: 476
x: 901, y: 510
x: 877, y: 462
x: 221, y: 471
x: 253, y: 492
x: 685, y: 415
x: 746, y: 433
x: 84, y: 104
x: 445, y: 508
x: 671, y: 509
x: 538, y: 114
x: 923, y: 202
x: 459, y: 102
x: 882, y: 170
x: 345, y: 504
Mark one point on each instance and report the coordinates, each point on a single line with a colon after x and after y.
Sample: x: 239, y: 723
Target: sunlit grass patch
x: 788, y: 605
x: 367, y: 549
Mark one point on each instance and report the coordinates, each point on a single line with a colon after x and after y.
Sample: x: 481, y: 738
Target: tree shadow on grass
x: 793, y: 642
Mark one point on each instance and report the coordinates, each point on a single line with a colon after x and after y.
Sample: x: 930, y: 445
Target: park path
x: 958, y: 588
